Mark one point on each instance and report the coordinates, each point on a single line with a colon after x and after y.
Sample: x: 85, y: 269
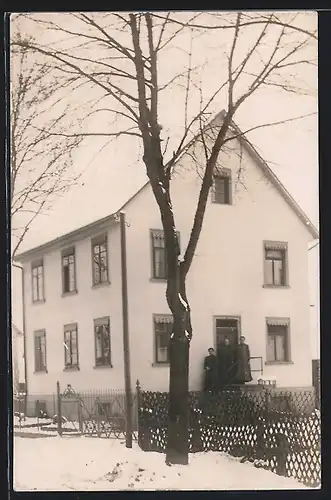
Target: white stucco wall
x: 226, y: 278
x: 89, y: 303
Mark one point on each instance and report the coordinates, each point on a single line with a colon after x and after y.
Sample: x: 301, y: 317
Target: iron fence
x: 274, y: 429
x: 99, y: 413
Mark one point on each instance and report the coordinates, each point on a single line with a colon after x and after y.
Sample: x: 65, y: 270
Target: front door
x: 227, y: 327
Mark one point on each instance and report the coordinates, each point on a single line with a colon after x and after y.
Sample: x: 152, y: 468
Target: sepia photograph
x: 164, y: 206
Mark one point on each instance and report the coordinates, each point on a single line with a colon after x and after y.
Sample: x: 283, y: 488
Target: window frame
x: 68, y: 252
x: 100, y: 322
x: 224, y: 174
x: 226, y: 317
x: 70, y: 328
x: 99, y: 240
x: 160, y: 232
x: 276, y: 246
x: 155, y: 322
x: 37, y: 334
x: 36, y: 264
x: 284, y: 322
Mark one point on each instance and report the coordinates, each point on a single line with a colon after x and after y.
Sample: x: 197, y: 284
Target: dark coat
x: 226, y: 364
x: 243, y: 364
x: 211, y: 372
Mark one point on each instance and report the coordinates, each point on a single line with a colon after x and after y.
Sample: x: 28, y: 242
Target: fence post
x: 282, y: 452
x: 80, y: 416
x: 59, y: 413
x: 138, y: 389
x: 38, y: 412
x: 54, y: 405
x: 19, y: 410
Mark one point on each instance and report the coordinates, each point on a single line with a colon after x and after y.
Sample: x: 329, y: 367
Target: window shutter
x: 278, y: 321
x: 163, y: 319
x: 158, y: 237
x: 275, y: 245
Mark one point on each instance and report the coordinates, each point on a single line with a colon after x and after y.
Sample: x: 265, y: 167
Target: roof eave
x: 66, y: 239
x: 278, y: 184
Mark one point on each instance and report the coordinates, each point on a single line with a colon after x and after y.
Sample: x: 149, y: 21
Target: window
x: 275, y: 258
x: 100, y: 260
x: 162, y: 331
x: 102, y: 342
x: 70, y: 346
x: 278, y: 340
x: 222, y: 187
x: 40, y: 350
x: 159, y: 258
x: 37, y: 281
x: 227, y: 327
x: 68, y: 271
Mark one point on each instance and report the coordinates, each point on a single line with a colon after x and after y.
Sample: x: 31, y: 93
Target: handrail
x: 261, y: 364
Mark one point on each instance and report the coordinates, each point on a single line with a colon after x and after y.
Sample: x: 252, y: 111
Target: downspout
x: 126, y: 346
x: 24, y: 336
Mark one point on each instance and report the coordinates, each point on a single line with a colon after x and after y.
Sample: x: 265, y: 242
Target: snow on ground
x: 87, y: 464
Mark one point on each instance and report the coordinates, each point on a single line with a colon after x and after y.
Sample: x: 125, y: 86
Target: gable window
x: 102, y: 342
x: 37, y: 270
x: 40, y: 350
x: 162, y: 331
x: 222, y: 187
x: 71, y: 346
x: 278, y: 340
x: 159, y: 258
x: 68, y: 270
x: 275, y: 264
x: 100, y: 260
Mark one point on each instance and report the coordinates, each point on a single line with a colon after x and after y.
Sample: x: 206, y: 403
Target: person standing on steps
x: 226, y: 364
x: 211, y: 371
x: 243, y: 362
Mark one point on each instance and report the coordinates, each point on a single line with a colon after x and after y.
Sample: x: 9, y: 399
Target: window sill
x: 71, y: 369
x: 276, y: 286
x: 222, y: 204
x: 41, y: 301
x: 278, y: 363
x: 66, y: 294
x: 158, y: 280
x: 100, y: 367
x: 36, y: 372
x: 100, y: 285
x: 160, y: 364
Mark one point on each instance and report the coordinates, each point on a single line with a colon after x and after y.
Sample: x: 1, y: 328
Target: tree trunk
x: 177, y: 446
x: 178, y: 416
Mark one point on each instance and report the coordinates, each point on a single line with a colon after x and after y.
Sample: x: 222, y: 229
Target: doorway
x: 227, y: 327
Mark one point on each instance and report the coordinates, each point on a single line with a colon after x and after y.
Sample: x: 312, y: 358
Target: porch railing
x: 261, y: 364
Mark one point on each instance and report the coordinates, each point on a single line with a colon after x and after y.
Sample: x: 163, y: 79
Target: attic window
x: 275, y: 264
x: 222, y: 189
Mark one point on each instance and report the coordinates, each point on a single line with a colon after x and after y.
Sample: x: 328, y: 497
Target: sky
x: 110, y: 175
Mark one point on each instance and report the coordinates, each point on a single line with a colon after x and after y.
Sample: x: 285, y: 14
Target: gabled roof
x: 112, y: 218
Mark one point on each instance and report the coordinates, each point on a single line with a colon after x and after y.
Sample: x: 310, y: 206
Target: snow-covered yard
x: 87, y: 464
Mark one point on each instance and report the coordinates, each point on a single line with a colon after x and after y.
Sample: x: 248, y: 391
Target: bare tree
x: 41, y: 165
x: 127, y: 74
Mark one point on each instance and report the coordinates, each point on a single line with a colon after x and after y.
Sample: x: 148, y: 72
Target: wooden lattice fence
x: 276, y: 430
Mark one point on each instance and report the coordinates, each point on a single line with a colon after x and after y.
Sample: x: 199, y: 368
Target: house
x: 249, y: 276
